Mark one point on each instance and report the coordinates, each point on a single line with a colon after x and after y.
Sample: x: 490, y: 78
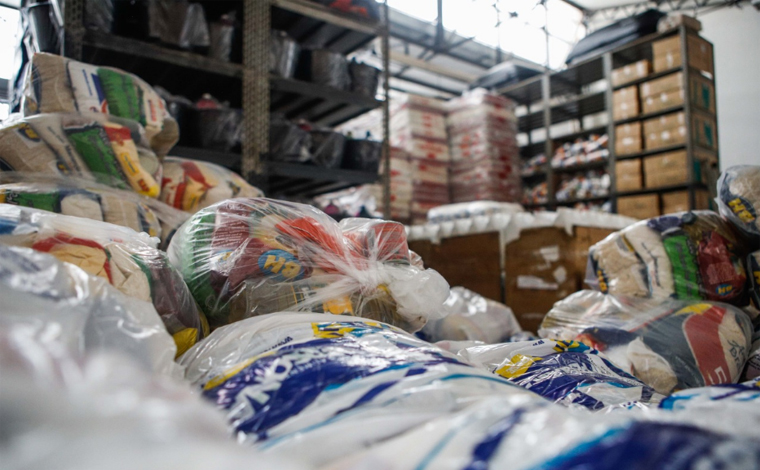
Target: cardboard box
x: 632, y: 129
x: 663, y: 123
x: 705, y: 131
x: 665, y: 138
x: 631, y: 72
x: 661, y: 85
x: 667, y: 169
x: 625, y: 103
x: 678, y: 201
x: 640, y: 207
x: 667, y: 53
x: 628, y: 175
x: 678, y: 19
x: 628, y: 145
x: 665, y: 100
x: 702, y: 92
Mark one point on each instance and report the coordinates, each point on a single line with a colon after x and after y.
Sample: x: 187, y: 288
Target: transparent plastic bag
x: 687, y: 256
x: 566, y: 372
x: 739, y: 197
x: 667, y: 344
x: 753, y: 272
x: 247, y: 257
x: 472, y: 317
x: 293, y: 382
x: 61, y: 85
x: 179, y: 23
x: 92, y: 146
x: 284, y: 54
x: 103, y: 411
x: 126, y: 259
x: 53, y: 302
x: 191, y: 185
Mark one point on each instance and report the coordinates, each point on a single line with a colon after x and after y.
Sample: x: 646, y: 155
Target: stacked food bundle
x: 538, y: 194
x: 484, y: 152
x: 582, y: 151
x: 593, y: 183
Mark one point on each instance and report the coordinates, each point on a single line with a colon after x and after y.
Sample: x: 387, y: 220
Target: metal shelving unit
x: 250, y: 86
x: 584, y: 89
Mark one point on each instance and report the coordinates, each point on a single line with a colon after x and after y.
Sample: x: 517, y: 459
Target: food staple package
x: 61, y: 85
x: 687, y: 256
x: 126, y: 259
x: 247, y: 257
x: 293, y: 382
x: 46, y: 300
x: 107, y: 149
x: 739, y: 197
x: 566, y: 372
x: 191, y: 185
x: 471, y: 317
x: 668, y: 345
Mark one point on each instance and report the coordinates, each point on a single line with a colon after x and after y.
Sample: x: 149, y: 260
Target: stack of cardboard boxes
x: 664, y: 133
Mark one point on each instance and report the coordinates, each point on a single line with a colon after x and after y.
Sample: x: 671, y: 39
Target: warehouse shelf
x: 582, y: 133
x: 651, y: 76
x: 577, y: 76
x: 662, y: 189
x: 329, y: 15
x: 647, y: 153
x: 656, y: 114
x: 294, y: 179
x: 582, y: 200
x: 226, y: 159
x: 582, y: 167
x: 535, y: 174
x: 525, y: 92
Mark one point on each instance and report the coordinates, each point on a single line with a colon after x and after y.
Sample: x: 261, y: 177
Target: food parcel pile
x: 268, y: 323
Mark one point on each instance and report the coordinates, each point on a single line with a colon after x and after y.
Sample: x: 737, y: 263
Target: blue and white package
x: 716, y: 397
x: 322, y: 387
x: 566, y: 372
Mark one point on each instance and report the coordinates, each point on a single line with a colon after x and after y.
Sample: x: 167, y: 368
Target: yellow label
x: 741, y: 211
x: 757, y: 277
x: 338, y: 330
x: 695, y: 309
x: 563, y: 346
x: 220, y: 379
x: 341, y: 306
x: 516, y: 366
x: 185, y: 339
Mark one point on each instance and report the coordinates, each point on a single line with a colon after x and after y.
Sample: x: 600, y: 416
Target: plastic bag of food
x: 126, y: 259
x: 739, y: 197
x: 753, y: 272
x: 715, y: 398
x: 566, y: 372
x: 98, y: 147
x: 247, y: 257
x: 512, y: 433
x: 58, y: 302
x: 61, y: 85
x: 191, y: 185
x: 687, y: 256
x: 290, y: 382
x: 63, y: 411
x: 668, y: 345
x: 472, y: 317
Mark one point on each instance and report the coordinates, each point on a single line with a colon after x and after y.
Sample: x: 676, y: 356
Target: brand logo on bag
x: 741, y: 211
x: 281, y: 265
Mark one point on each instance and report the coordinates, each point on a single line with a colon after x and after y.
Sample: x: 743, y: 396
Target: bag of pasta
x: 247, y: 257
x: 686, y: 256
x: 667, y: 344
x: 60, y: 85
x: 127, y: 260
x: 191, y: 185
x: 98, y: 147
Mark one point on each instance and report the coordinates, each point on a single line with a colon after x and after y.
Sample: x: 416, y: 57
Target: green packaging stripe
x: 45, y: 201
x: 146, y: 270
x: 200, y: 233
x: 93, y: 145
x: 121, y: 93
x: 685, y: 268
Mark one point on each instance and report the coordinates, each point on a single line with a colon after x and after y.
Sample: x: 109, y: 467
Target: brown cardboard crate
x: 667, y: 53
x: 664, y: 100
x: 625, y: 103
x: 640, y: 207
x: 661, y: 85
x: 667, y: 169
x: 628, y: 145
x: 631, y: 72
x: 663, y: 123
x: 702, y: 92
x: 705, y: 131
x: 665, y: 138
x: 628, y: 175
x: 678, y: 201
x: 674, y: 20
x: 632, y: 129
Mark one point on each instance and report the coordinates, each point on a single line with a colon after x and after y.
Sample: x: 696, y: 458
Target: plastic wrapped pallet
x: 93, y: 146
x: 247, y: 257
x: 688, y: 255
x: 327, y: 148
x: 58, y: 303
x: 667, y: 344
x: 60, y: 85
x: 288, y: 382
x: 566, y: 372
x: 64, y: 410
x: 127, y: 260
x: 739, y: 197
x: 191, y: 185
x: 472, y: 317
x: 485, y: 156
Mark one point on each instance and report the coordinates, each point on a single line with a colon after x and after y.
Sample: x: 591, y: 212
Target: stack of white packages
x: 484, y: 154
x: 401, y: 185
x: 418, y: 126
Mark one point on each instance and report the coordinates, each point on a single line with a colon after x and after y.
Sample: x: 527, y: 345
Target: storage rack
x: 250, y: 86
x: 585, y: 88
